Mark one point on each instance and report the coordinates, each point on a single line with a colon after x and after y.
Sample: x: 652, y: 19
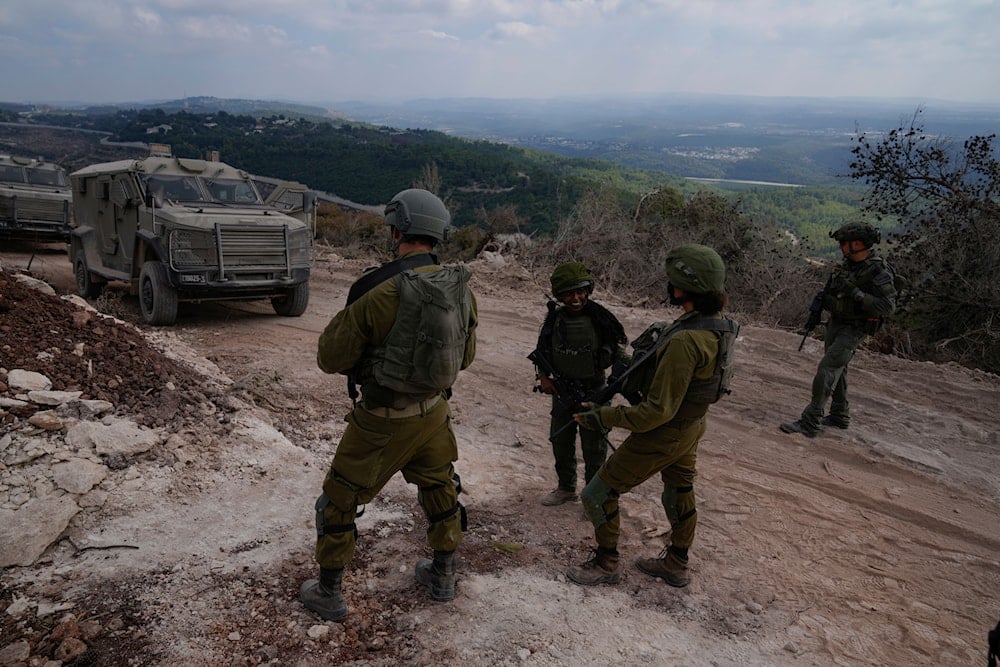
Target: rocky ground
x: 156, y: 492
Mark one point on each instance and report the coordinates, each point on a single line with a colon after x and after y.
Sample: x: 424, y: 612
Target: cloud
x: 437, y: 34
x: 534, y: 48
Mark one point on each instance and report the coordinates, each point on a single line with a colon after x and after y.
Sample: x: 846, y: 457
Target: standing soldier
x: 579, y: 340
x: 859, y: 295
x: 408, y: 327
x: 680, y: 369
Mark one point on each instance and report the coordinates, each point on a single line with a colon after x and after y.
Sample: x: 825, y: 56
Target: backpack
x: 636, y: 382
x: 424, y: 350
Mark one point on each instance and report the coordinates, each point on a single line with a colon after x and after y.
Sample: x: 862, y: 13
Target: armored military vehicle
x: 179, y: 229
x: 35, y: 200
x: 289, y: 197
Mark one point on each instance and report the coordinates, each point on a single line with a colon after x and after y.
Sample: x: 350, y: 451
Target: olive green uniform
x: 666, y: 430
x: 387, y: 432
x: 853, y: 315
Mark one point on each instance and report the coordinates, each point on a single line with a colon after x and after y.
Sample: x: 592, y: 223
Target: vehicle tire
x: 86, y: 286
x: 293, y: 303
x: 157, y: 297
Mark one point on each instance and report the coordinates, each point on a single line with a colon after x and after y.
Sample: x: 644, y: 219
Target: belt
x: 419, y: 408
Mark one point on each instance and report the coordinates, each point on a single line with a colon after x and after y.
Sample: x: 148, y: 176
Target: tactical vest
x: 637, y: 384
x: 424, y: 350
x: 838, y: 298
x: 576, y: 348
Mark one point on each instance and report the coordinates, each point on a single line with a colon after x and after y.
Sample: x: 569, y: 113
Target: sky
x: 321, y: 51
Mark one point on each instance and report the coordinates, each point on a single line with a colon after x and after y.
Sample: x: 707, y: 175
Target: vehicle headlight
x: 300, y: 247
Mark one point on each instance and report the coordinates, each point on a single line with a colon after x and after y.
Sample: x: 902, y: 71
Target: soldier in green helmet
x: 579, y: 340
x: 687, y: 365
x: 406, y: 331
x: 859, y: 294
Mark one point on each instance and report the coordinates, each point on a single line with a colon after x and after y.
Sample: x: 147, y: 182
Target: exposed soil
x: 872, y: 546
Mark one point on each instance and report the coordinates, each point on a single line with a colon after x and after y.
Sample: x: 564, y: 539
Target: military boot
x: 438, y: 575
x: 836, y: 421
x: 799, y: 426
x: 559, y: 496
x: 601, y: 569
x: 323, y: 595
x: 667, y: 566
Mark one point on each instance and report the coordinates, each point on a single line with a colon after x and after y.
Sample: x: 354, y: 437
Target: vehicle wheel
x: 293, y: 303
x: 86, y: 286
x: 157, y: 297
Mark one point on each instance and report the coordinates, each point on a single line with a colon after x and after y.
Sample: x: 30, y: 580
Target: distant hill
x: 803, y: 141
x: 197, y: 105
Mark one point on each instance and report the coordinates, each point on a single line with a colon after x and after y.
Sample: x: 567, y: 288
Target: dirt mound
x: 81, y: 350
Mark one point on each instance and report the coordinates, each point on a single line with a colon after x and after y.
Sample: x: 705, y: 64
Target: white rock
x: 6, y: 402
x: 117, y: 436
x: 28, y: 380
x: 49, y: 397
x: 78, y: 475
x: 34, y: 283
x: 27, y: 532
x: 318, y: 631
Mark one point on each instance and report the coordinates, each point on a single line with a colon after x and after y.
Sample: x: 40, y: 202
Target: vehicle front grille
x: 244, y: 249
x: 23, y: 209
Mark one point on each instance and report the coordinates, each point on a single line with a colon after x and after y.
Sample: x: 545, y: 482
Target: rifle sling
x: 373, y: 279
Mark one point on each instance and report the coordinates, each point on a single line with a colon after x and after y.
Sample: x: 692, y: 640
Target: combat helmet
x: 696, y: 268
x: 857, y: 231
x: 417, y: 212
x: 569, y: 276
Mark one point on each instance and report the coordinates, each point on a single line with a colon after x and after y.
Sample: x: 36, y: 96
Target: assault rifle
x: 568, y: 392
x: 616, y: 382
x: 815, y: 314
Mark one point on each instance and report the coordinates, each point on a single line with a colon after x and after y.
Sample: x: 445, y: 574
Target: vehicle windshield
x: 194, y: 189
x: 47, y: 177
x: 232, y: 191
x: 10, y: 174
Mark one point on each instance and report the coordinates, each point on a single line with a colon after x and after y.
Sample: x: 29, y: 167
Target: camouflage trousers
x: 670, y: 450
x: 593, y: 444
x: 830, y: 383
x: 372, y: 450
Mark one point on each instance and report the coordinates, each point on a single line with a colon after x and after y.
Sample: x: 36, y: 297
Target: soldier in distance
x: 859, y: 294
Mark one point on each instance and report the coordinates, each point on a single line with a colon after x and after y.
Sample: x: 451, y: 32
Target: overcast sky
x: 328, y: 50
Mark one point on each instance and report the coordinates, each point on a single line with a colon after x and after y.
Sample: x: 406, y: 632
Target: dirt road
x: 872, y: 546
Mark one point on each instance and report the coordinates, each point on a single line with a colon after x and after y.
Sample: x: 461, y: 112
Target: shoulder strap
x: 373, y: 279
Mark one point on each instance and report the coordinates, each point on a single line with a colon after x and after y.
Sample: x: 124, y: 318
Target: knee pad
x: 672, y: 498
x: 324, y: 528
x: 594, y: 495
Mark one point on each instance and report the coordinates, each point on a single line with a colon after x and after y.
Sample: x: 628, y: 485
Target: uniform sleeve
x: 881, y: 301
x: 365, y: 322
x: 676, y: 365
x: 470, y: 341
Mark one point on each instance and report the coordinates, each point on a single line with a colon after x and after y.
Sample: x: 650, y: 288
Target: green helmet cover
x: 696, y: 268
x: 857, y: 231
x: 570, y: 275
x: 417, y: 212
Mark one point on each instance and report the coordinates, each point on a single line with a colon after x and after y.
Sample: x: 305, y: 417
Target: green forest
x: 368, y: 164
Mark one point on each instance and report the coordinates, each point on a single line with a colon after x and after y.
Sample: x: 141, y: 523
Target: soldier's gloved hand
x: 591, y: 419
x: 857, y: 294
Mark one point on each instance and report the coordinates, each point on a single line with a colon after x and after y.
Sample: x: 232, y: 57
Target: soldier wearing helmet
x: 859, y: 294
x: 407, y: 329
x: 681, y: 368
x: 579, y: 340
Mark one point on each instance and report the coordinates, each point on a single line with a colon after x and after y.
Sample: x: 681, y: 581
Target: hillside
x: 873, y: 546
